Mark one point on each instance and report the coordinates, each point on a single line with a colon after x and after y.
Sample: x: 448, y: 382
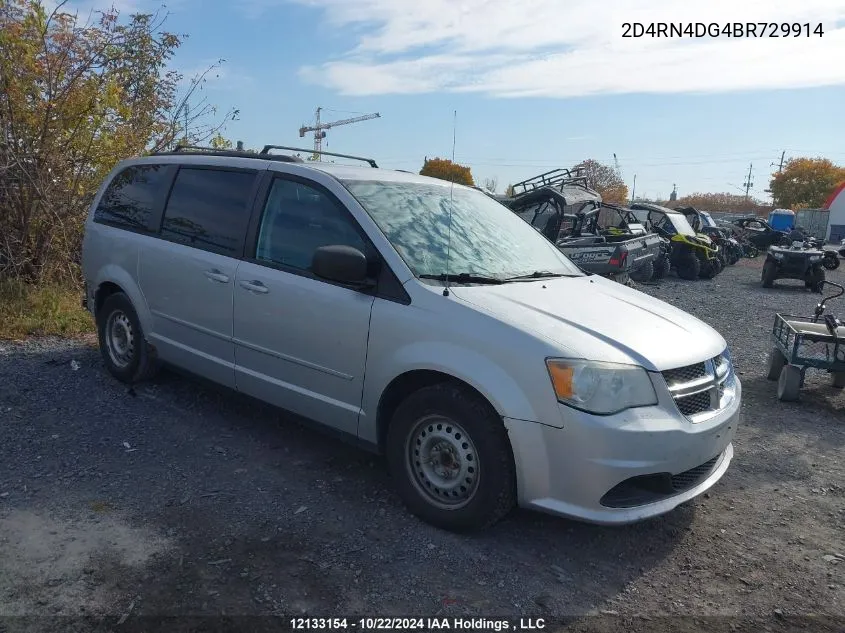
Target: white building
x: 835, y: 204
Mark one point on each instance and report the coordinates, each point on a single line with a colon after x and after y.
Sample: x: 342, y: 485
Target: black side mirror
x: 343, y: 264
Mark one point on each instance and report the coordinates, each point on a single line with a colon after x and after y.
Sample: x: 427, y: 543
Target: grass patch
x: 27, y: 310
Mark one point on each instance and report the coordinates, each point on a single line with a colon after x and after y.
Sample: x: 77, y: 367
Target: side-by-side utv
x: 690, y: 254
x: 600, y: 238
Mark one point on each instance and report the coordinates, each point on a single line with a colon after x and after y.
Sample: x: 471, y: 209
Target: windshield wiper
x: 464, y: 278
x: 539, y: 274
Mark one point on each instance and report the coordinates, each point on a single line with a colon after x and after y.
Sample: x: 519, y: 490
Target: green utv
x: 691, y: 255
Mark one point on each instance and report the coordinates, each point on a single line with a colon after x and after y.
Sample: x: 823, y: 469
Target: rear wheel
x: 661, y: 269
x: 449, y: 455
x: 770, y: 273
x: 837, y: 379
x: 688, y: 265
x: 789, y: 383
x: 830, y: 260
x: 644, y: 272
x: 777, y: 361
x: 122, y: 343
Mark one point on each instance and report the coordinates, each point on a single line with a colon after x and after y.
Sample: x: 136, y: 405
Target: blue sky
x: 537, y: 84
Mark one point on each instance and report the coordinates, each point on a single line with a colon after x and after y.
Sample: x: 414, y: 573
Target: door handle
x: 216, y: 275
x: 255, y: 286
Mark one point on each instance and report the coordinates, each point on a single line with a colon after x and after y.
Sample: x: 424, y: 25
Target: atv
x: 759, y: 232
x: 800, y: 260
x: 730, y: 251
x: 601, y: 238
x: 830, y: 259
x: 691, y: 255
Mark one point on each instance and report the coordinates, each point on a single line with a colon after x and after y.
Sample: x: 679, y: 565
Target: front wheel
x: 449, y: 455
x: 789, y: 383
x: 770, y: 273
x: 830, y: 260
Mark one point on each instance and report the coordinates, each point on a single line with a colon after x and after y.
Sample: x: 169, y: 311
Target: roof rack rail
x: 267, y: 148
x: 555, y: 178
x: 238, y: 153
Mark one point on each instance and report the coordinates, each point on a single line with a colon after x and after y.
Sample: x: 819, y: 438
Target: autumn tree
x: 721, y: 203
x: 445, y: 169
x: 605, y: 180
x: 805, y: 182
x: 75, y: 98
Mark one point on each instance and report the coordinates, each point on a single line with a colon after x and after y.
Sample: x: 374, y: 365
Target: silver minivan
x: 421, y: 319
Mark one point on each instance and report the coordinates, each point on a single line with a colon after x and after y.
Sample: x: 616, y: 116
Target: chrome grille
x: 696, y: 403
x: 700, y: 389
x: 685, y: 374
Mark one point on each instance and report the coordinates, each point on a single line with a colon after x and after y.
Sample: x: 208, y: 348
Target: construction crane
x: 319, y: 129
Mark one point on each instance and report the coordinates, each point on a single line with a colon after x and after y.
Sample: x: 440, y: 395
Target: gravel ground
x: 179, y: 498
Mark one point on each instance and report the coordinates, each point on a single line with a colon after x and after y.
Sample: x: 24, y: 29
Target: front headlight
x: 815, y: 258
x: 777, y: 255
x: 601, y: 388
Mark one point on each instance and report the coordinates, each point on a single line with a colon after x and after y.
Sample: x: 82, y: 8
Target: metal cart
x: 800, y: 343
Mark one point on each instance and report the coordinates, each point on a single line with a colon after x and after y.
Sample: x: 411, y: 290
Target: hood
x: 598, y: 319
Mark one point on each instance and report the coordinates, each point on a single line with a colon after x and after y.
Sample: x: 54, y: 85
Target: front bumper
x: 570, y: 471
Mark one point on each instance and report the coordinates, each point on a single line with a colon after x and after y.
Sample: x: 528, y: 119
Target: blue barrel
x: 782, y: 219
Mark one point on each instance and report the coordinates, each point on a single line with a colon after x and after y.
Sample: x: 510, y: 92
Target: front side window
x: 427, y: 223
x: 297, y: 220
x: 209, y: 209
x: 131, y: 195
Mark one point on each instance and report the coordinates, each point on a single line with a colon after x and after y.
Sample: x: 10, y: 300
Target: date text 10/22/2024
x: 726, y: 29
x: 417, y: 624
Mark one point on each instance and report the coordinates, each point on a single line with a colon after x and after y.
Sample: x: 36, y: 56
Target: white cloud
x: 561, y: 48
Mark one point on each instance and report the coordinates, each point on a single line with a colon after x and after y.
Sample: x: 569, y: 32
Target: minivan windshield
x: 488, y: 240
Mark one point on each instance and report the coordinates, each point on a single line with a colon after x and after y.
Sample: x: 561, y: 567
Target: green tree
x: 605, y: 180
x: 75, y: 98
x: 447, y: 170
x: 805, y: 182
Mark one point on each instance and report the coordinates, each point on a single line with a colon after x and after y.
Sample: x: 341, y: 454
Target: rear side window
x: 131, y: 196
x: 209, y: 209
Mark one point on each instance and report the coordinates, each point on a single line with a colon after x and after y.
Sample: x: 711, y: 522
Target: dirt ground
x: 181, y: 499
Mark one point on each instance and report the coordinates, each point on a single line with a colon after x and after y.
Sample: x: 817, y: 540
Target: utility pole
x: 780, y: 168
x: 634, y: 188
x: 748, y: 184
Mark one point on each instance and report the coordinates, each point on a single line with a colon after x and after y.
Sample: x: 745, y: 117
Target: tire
x: 688, y: 266
x: 789, y: 383
x: 709, y: 269
x: 125, y: 351
x: 644, y: 272
x: 837, y: 379
x: 830, y: 261
x: 661, y: 269
x: 458, y: 420
x: 770, y: 273
x: 817, y: 280
x: 777, y: 361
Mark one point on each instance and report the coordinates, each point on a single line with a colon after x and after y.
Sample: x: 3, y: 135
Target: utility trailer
x: 600, y: 238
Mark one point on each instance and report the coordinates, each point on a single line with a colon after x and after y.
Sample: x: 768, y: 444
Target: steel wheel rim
x: 442, y: 461
x: 120, y: 339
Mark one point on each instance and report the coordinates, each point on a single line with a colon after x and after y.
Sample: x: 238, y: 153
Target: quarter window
x: 131, y: 196
x: 297, y: 220
x: 209, y: 209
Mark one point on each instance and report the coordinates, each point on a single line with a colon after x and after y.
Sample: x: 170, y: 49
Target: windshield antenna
x: 451, y: 189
